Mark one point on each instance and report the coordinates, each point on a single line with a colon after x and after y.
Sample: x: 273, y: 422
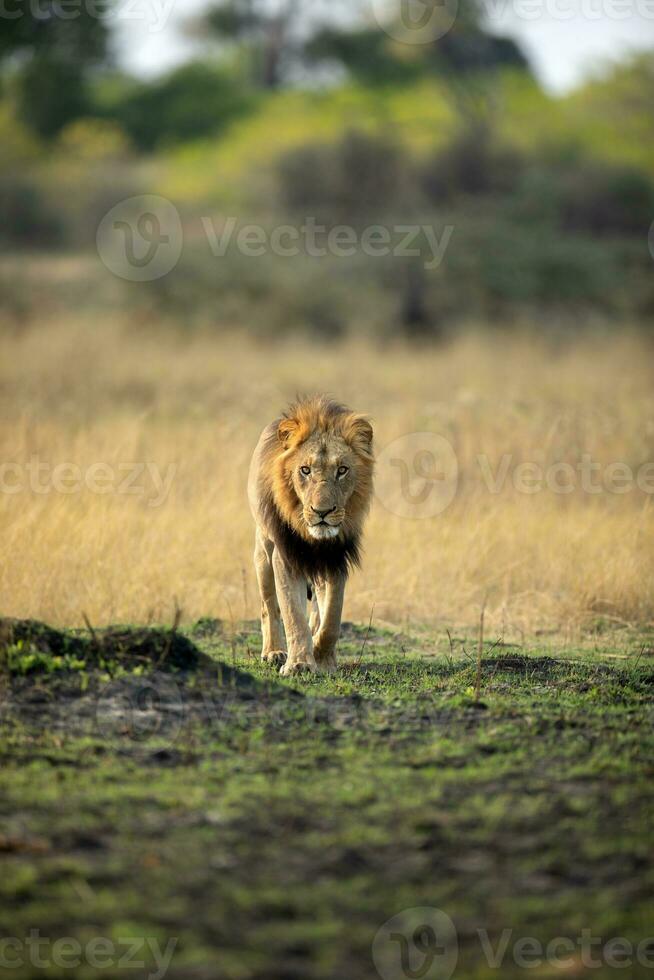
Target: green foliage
x: 550, y: 199
x: 373, y: 58
x: 610, y: 118
x: 368, y: 54
x: 28, y: 646
x: 51, y: 94
x: 468, y: 48
x: 272, y: 294
x: 24, y: 658
x: 236, y: 19
x: 542, y: 265
x: 473, y: 164
x: 583, y: 197
x: 360, y: 174
x: 265, y: 34
x: 280, y: 41
x: 55, y: 55
x: 81, y: 38
x: 193, y: 101
x: 526, y: 234
x: 27, y: 219
x: 93, y: 140
x: 605, y: 201
x: 19, y: 146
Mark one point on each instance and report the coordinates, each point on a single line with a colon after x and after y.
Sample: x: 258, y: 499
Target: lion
x: 310, y: 489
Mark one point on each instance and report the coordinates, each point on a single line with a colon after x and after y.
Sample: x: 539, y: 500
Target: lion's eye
x: 342, y: 470
x: 305, y: 470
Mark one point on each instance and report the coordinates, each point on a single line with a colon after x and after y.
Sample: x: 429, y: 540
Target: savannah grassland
x: 163, y: 786
x: 166, y: 787
x: 90, y: 391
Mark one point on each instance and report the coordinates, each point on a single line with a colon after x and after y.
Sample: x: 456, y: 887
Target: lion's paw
x: 275, y: 657
x: 293, y: 668
x: 327, y: 665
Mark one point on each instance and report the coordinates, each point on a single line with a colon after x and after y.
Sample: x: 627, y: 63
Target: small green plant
x: 23, y: 657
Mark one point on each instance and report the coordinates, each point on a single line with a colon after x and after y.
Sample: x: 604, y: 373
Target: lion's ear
x: 360, y: 433
x: 285, y: 430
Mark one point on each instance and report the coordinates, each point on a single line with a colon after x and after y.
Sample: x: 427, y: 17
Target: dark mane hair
x: 312, y: 559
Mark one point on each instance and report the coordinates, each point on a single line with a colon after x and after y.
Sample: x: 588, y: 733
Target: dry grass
x: 84, y: 393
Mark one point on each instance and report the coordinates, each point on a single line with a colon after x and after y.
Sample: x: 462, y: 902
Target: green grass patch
x: 272, y: 830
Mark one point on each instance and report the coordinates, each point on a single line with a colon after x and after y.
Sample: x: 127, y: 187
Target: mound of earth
x: 29, y: 647
x: 128, y: 684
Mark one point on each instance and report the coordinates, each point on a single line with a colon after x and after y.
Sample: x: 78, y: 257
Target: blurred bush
x: 270, y: 293
x: 367, y: 54
x: 359, y: 174
x: 606, y: 201
x: 550, y: 200
x: 90, y: 140
x: 583, y: 197
x: 48, y: 56
x: 19, y: 145
x: 193, y: 101
x: 27, y: 220
x: 474, y: 163
x: 568, y: 235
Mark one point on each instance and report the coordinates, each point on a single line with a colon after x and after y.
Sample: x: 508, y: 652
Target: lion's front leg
x: 292, y: 596
x: 274, y: 645
x: 330, y: 592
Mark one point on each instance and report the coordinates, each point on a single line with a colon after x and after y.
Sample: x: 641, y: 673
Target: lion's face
x: 324, y: 472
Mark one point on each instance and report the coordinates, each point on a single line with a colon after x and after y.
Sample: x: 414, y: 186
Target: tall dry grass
x: 96, y: 392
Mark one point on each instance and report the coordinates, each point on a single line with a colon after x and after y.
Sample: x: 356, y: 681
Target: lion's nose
x: 323, y: 513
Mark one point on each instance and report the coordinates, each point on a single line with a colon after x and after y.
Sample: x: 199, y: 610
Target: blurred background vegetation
x: 284, y: 117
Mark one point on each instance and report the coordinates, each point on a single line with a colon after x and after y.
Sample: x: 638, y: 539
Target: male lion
x: 310, y: 489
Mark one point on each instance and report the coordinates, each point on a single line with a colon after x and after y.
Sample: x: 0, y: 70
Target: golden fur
x: 330, y: 422
x: 310, y: 488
